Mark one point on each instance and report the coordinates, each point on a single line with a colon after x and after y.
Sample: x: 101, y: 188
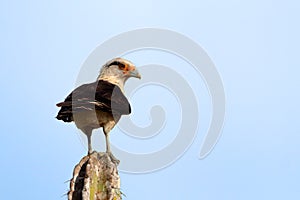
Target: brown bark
x: 95, y: 177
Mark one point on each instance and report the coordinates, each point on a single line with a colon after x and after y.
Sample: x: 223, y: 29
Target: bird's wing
x: 109, y: 97
x: 99, y: 95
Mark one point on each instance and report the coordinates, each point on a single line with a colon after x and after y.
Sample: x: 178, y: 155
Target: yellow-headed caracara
x: 101, y: 103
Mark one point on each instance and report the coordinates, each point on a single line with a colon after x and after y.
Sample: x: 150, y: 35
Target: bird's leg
x: 108, y: 151
x: 89, y: 144
x: 107, y: 143
x: 89, y: 135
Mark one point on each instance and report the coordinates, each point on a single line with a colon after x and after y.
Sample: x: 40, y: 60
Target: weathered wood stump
x: 95, y: 177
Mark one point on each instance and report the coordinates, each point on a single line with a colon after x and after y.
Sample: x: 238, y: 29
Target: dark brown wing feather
x: 99, y: 95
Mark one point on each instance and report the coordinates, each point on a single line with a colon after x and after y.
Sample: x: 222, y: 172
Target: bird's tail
x: 65, y: 113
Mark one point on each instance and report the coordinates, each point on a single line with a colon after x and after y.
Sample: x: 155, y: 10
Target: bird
x: 100, y: 103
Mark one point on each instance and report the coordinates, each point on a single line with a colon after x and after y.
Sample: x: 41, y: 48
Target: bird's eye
x: 121, y: 65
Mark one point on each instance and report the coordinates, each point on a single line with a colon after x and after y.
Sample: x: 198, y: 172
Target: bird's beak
x: 135, y: 73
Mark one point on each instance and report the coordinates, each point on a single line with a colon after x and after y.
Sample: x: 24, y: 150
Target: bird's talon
x: 113, y: 158
x: 91, y: 152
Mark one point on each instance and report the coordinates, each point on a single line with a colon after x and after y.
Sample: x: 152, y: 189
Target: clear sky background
x: 254, y: 45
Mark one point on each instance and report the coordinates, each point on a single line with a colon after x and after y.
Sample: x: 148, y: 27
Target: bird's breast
x: 94, y: 119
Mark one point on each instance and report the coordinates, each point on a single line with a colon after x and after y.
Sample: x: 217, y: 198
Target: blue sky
x: 254, y: 45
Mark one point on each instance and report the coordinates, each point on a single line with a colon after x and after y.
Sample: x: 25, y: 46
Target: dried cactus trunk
x: 95, y: 177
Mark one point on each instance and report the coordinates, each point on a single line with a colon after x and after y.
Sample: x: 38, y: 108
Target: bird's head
x: 117, y: 71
